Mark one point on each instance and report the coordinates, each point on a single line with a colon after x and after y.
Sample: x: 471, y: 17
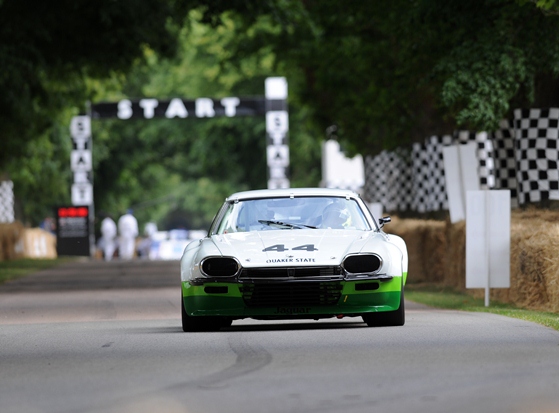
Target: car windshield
x: 292, y: 213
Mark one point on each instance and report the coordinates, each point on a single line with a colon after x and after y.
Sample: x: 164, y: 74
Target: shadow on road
x: 263, y: 326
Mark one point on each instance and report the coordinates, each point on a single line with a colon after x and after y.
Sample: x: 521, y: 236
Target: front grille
x: 291, y: 294
x: 290, y: 272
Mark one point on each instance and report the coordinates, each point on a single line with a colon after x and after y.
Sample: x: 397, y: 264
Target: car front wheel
x: 387, y: 318
x: 190, y: 324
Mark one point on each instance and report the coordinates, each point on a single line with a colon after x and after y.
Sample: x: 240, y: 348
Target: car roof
x: 295, y: 192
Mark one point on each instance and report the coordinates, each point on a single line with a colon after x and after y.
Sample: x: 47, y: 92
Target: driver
x: 335, y: 217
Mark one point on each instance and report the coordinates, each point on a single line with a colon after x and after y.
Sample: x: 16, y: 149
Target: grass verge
x: 444, y: 297
x: 19, y: 268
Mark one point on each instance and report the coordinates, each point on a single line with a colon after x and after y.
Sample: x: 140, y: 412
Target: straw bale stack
x: 38, y: 243
x: 19, y: 242
x: 437, y: 254
x: 426, y: 244
x: 534, y: 261
x: 10, y: 245
x: 455, y: 265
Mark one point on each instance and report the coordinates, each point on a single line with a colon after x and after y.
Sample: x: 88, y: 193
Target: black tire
x: 387, y: 318
x: 190, y: 324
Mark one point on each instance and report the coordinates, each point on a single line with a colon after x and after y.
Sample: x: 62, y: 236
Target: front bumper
x: 284, y: 300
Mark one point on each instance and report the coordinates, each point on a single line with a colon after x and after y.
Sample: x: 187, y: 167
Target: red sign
x: 72, y: 230
x: 73, y: 212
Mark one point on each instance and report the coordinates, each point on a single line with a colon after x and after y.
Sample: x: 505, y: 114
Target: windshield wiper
x: 284, y: 224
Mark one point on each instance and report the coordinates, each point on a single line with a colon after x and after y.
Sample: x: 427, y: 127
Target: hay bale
x: 10, y: 240
x: 19, y: 242
x: 38, y: 243
x: 455, y: 265
x: 426, y: 241
x: 437, y: 254
x: 534, y: 265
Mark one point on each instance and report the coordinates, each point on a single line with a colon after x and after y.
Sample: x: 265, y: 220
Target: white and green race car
x: 294, y: 254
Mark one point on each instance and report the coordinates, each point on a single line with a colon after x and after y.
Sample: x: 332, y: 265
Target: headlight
x: 362, y: 264
x: 220, y: 267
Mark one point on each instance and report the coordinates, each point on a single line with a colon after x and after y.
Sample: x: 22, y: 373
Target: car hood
x: 293, y: 247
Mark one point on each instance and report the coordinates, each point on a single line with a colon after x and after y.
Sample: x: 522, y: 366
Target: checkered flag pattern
x: 379, y: 170
x: 408, y: 180
x: 537, y: 154
x: 371, y: 185
x: 373, y: 189
x: 375, y: 168
x: 522, y: 156
x: 484, y: 155
x: 420, y: 178
x: 433, y: 159
x: 405, y: 189
x: 505, y: 160
x: 6, y: 202
x: 389, y: 174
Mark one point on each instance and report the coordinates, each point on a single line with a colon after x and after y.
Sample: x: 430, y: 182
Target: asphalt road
x: 106, y: 337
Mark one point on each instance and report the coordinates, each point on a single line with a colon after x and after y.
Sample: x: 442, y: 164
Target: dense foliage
x: 50, y: 52
x: 179, y: 171
x: 384, y: 72
x: 390, y: 72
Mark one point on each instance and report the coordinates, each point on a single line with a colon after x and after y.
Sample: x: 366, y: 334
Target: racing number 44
x: 281, y: 248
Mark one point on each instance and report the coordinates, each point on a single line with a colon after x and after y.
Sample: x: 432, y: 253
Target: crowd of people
x: 119, y: 235
x: 121, y: 239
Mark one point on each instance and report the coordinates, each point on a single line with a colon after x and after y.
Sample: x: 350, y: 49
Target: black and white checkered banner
x: 389, y: 173
x: 431, y: 175
x: 414, y: 179
x: 6, y: 202
x: 537, y: 154
x: 409, y: 180
x: 484, y: 150
x: 527, y: 156
x: 505, y: 160
x: 522, y: 156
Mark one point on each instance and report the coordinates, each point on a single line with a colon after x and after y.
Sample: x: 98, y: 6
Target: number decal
x: 281, y: 248
x: 277, y: 248
x: 306, y: 247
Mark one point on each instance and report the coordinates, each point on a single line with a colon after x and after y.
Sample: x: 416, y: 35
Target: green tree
x: 387, y: 73
x: 175, y: 170
x: 48, y: 53
x: 48, y: 50
x: 393, y: 72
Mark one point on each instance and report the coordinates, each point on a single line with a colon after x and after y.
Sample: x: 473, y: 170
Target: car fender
x: 399, y: 243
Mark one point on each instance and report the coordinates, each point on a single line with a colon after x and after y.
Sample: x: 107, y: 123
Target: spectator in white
x: 144, y: 245
x: 128, y: 231
x: 150, y: 229
x: 108, y: 237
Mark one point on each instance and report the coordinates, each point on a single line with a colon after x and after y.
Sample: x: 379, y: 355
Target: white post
x: 277, y: 128
x: 82, y: 166
x: 461, y: 176
x: 487, y: 200
x: 488, y: 240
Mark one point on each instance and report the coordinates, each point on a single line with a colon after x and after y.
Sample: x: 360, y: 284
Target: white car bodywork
x: 277, y: 240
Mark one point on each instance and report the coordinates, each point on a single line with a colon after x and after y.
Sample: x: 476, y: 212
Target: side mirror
x: 384, y: 220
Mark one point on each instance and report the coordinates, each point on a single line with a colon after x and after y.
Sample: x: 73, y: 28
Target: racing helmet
x: 335, y: 216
